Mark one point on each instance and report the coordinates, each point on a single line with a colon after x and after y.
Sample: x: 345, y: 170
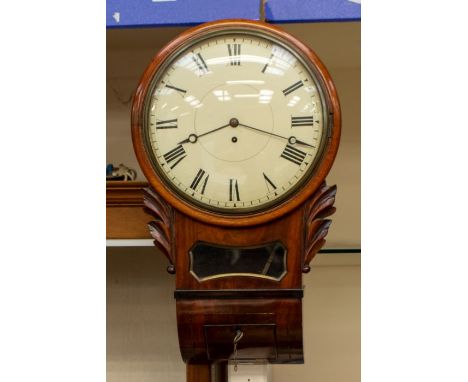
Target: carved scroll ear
x: 317, y: 209
x: 161, y: 229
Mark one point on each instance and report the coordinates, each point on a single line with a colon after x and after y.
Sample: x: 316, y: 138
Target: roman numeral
x: 175, y: 155
x: 169, y: 124
x: 268, y: 63
x: 198, y: 178
x: 302, y: 121
x: 269, y: 182
x: 233, y: 190
x: 176, y: 89
x: 234, y: 54
x: 293, y: 87
x: 201, y: 64
x: 294, y: 155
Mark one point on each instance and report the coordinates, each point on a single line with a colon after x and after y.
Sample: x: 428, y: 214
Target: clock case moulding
x: 269, y: 312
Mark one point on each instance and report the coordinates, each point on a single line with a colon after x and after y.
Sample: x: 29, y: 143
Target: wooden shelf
x: 120, y: 193
x: 125, y: 217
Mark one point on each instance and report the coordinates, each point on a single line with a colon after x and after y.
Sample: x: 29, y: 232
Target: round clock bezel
x: 298, y: 195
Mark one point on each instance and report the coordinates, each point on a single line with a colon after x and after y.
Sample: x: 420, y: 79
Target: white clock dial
x: 235, y: 122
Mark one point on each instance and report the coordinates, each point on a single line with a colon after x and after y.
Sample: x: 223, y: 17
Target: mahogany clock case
x: 317, y: 175
x: 268, y: 311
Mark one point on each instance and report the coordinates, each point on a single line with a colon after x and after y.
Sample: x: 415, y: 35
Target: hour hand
x: 192, y: 138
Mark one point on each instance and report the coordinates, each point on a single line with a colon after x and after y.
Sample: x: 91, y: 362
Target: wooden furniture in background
x: 125, y: 216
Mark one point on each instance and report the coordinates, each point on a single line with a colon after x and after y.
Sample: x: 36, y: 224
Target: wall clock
x: 235, y: 125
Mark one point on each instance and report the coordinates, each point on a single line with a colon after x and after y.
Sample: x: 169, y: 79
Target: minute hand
x: 292, y: 140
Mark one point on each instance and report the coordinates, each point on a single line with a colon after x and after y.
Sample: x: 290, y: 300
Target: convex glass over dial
x: 235, y: 122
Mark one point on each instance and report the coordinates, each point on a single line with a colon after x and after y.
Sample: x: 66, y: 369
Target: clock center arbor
x: 235, y: 125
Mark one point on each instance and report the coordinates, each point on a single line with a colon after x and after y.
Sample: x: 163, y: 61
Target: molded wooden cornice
x: 120, y: 194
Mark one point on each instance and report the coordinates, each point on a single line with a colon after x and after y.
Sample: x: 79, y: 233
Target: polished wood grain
x: 188, y: 231
x: 199, y: 373
x: 272, y: 330
x: 195, y: 212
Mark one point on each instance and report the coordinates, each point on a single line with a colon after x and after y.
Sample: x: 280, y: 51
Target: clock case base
x: 267, y: 311
x: 271, y: 327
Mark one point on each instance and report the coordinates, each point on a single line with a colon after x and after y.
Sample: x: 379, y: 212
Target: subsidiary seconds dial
x: 235, y: 122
